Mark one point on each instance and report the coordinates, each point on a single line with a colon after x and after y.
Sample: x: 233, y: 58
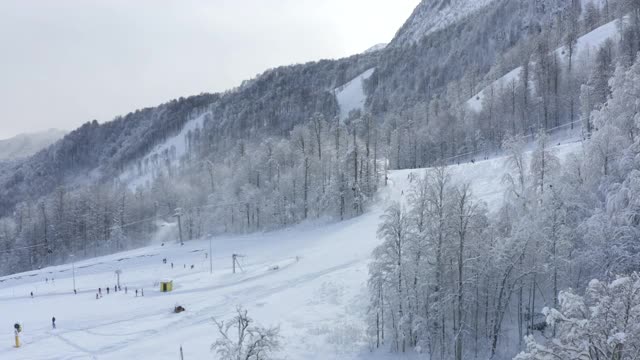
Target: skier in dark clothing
x: 75, y: 292
x: 172, y: 265
x: 32, y: 294
x: 136, y: 292
x: 107, y: 290
x: 100, y: 291
x: 53, y: 322
x: 142, y: 292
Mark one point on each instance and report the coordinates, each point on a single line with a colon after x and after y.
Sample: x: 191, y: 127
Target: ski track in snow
x: 317, y: 294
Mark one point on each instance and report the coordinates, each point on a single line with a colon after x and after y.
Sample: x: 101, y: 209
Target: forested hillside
x: 552, y: 273
x: 274, y: 152
x: 25, y: 145
x: 548, y: 271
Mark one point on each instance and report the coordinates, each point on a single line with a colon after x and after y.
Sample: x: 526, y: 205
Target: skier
x: 75, y: 292
x: 100, y: 291
x: 125, y: 290
x: 136, y: 292
x: 53, y: 322
x: 97, y: 296
x: 142, y: 292
x: 172, y: 265
x: 107, y: 290
x: 32, y: 294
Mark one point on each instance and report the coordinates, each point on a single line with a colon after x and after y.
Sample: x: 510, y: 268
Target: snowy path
x: 317, y: 294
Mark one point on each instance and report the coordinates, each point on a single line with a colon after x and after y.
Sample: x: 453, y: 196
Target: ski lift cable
x: 191, y: 208
x: 123, y: 226
x: 524, y: 137
x: 23, y: 248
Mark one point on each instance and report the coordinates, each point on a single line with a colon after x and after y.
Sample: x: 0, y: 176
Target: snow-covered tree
x: 240, y: 339
x: 602, y: 324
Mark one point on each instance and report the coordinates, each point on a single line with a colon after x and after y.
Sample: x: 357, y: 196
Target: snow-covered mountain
x: 309, y: 279
x: 332, y: 216
x: 25, y: 145
x: 432, y: 15
x: 236, y: 147
x: 376, y: 47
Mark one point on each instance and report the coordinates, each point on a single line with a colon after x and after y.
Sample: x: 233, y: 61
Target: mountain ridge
x: 26, y: 144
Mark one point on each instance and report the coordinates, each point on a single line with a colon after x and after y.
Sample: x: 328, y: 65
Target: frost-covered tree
x: 240, y: 339
x: 602, y: 324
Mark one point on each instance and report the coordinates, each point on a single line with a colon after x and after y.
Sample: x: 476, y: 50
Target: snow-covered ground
x: 351, y: 95
x: 586, y: 48
x: 309, y: 279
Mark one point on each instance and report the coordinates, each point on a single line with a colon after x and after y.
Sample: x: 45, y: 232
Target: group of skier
x: 47, y: 281
x: 117, y: 288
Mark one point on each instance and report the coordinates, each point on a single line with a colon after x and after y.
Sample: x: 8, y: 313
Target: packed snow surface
x: 309, y: 279
x: 351, y: 95
x: 585, y: 49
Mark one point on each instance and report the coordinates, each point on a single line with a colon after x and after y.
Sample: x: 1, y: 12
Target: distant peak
x: 376, y: 47
x: 433, y: 15
x: 26, y: 144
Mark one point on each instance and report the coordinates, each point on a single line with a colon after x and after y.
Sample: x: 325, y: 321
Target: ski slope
x: 351, y: 95
x: 586, y: 48
x: 172, y: 149
x: 309, y: 279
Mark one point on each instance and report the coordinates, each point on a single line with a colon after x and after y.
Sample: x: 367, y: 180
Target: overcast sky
x: 63, y: 63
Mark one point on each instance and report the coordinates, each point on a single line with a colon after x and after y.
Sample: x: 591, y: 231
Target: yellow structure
x: 166, y: 286
x: 17, y: 339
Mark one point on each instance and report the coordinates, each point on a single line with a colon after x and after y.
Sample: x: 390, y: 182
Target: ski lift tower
x: 118, y: 272
x: 235, y: 261
x: 178, y: 214
x: 73, y: 270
